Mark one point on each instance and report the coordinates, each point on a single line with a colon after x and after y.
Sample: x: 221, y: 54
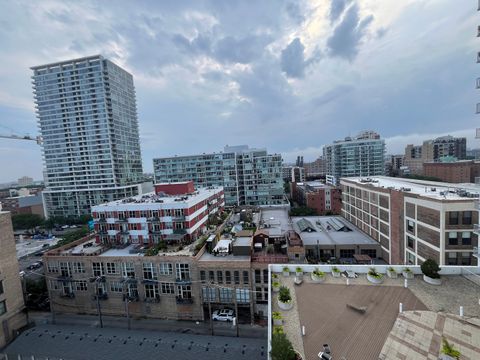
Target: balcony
x: 154, y: 219
x: 103, y: 232
x: 155, y: 231
x: 178, y: 218
x: 121, y: 221
x: 476, y: 229
x: 184, y: 301
x: 180, y: 231
x: 186, y: 281
x: 102, y: 220
x: 476, y: 252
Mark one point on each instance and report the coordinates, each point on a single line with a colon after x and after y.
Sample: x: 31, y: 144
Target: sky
x: 289, y: 76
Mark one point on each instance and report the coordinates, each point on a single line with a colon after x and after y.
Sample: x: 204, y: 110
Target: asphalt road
x: 188, y: 327
x: 25, y: 262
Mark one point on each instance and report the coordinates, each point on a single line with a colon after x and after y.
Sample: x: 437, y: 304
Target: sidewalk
x: 189, y: 327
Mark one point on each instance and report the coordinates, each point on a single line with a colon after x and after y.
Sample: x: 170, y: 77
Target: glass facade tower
x: 248, y: 176
x: 87, y: 116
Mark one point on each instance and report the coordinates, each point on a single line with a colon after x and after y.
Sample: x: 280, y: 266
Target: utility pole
x: 236, y: 307
x: 210, y: 310
x: 97, y: 280
x: 127, y: 301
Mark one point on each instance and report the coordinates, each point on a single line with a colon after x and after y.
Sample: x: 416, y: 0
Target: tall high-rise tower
x: 87, y: 116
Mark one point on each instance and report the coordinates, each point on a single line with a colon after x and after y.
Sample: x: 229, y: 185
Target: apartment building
x: 25, y: 181
x: 12, y: 315
x: 87, y: 116
x: 315, y: 168
x: 30, y: 204
x: 248, y: 176
x: 434, y: 151
x: 361, y: 155
x: 293, y: 173
x: 325, y: 199
x: 175, y: 213
x: 415, y: 220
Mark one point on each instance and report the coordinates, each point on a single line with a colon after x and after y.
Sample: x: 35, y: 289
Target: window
x: 347, y: 253
x: 132, y: 290
x: 209, y: 294
x: 452, y: 258
x: 182, y: 271
x: 1, y: 287
x: 410, y: 258
x: 52, y: 266
x: 97, y: 269
x: 128, y: 270
x: 265, y: 276
x: 219, y: 277
x: 228, y: 277
x: 81, y: 285
x: 166, y: 268
x: 245, y: 278
x: 149, y: 271
x: 258, y: 278
x: 184, y: 291
x: 466, y: 238
x: 53, y: 285
x: 411, y: 226
x: 453, y: 218
x: 203, y: 277
x: 111, y: 268
x: 243, y: 295
x: 3, y: 307
x: 226, y: 295
x: 236, y: 277
x: 466, y: 258
x: 65, y: 269
x: 452, y: 238
x: 167, y: 288
x: 211, y: 276
x: 116, y: 286
x: 78, y: 267
x: 151, y: 291
x: 467, y: 218
x: 258, y: 293
x: 410, y: 242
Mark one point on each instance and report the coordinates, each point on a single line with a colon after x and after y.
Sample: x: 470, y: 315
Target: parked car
x: 223, y: 315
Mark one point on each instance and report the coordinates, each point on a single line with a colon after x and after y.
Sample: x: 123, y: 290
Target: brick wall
x: 427, y: 252
x: 428, y: 235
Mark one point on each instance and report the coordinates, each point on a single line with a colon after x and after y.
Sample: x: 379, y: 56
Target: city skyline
x: 198, y: 67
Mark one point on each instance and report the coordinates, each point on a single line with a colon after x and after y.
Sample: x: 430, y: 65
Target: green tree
x: 72, y: 236
x: 303, y: 211
x: 26, y: 221
x: 430, y: 268
x: 282, y: 348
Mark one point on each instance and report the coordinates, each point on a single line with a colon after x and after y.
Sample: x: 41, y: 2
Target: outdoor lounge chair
x: 298, y: 280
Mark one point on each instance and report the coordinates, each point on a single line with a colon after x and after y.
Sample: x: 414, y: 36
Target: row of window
x: 228, y: 277
x: 150, y: 270
x: 225, y: 295
x: 142, y: 213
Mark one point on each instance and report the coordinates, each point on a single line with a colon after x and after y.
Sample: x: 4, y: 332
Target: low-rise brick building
x: 325, y: 199
x: 464, y: 171
x: 415, y: 220
x: 12, y: 315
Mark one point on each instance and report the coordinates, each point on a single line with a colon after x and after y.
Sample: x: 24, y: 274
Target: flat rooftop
x: 275, y: 218
x: 324, y: 312
x: 88, y: 247
x: 430, y: 189
x: 206, y: 256
x: 315, y: 185
x: 329, y: 230
x: 85, y: 343
x: 152, y: 198
x: 127, y: 251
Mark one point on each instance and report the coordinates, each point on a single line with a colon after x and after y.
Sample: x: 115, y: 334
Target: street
x: 180, y: 326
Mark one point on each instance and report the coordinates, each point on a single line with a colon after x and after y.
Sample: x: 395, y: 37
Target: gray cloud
x: 240, y: 50
x: 336, y: 9
x: 293, y: 59
x: 347, y: 35
x: 295, y: 12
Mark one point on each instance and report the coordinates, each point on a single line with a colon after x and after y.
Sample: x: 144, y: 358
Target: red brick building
x: 453, y: 172
x: 174, y: 213
x: 323, y: 198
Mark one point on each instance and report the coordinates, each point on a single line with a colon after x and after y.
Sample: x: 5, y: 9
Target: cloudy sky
x: 290, y: 76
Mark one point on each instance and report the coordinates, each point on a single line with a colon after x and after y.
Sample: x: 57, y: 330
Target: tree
x: 430, y: 268
x: 72, y: 236
x: 303, y: 211
x: 26, y: 221
x: 449, y: 350
x: 282, y: 348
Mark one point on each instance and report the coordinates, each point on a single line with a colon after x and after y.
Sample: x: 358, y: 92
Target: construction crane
x: 38, y: 139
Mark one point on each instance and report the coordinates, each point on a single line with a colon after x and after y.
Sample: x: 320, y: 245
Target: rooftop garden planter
x: 449, y: 350
x: 407, y: 273
x: 391, y: 273
x: 374, y: 277
x: 274, y: 276
x: 318, y: 276
x: 335, y: 272
x: 276, y: 286
x: 285, y: 298
x: 430, y: 271
x: 286, y: 271
x: 299, y: 274
x: 277, y: 318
